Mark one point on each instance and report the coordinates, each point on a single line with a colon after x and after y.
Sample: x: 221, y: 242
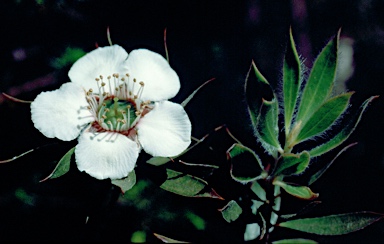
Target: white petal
x: 103, y: 61
x: 106, y: 155
x: 165, y: 131
x: 160, y: 81
x: 61, y: 113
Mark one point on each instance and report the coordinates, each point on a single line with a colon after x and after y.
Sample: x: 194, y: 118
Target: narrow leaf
x: 318, y: 174
x: 324, y: 117
x: 267, y: 126
x: 186, y: 101
x: 256, y: 88
x: 291, y: 81
x: 109, y: 37
x: 334, y: 224
x: 320, y: 81
x: 126, y: 183
x: 187, y: 185
x: 167, y: 239
x: 344, y: 133
x: 14, y: 99
x: 245, y: 164
x: 294, y: 241
x: 301, y: 192
x: 302, y: 211
x: 231, y: 211
x: 292, y: 164
x: 259, y: 191
x: 62, y: 166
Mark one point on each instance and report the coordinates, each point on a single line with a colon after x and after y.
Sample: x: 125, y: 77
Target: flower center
x: 121, y: 107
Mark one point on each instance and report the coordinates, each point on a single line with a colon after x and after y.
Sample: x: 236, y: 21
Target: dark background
x: 205, y: 39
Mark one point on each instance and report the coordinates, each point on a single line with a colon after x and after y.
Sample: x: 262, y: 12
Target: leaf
x: 167, y: 239
x: 252, y: 231
x: 292, y: 164
x: 291, y: 81
x: 231, y: 211
x: 304, y: 210
x: 62, y: 167
x: 324, y: 117
x: 344, y: 133
x: 334, y: 224
x: 259, y: 191
x: 245, y: 164
x: 187, y: 185
x: 301, y: 192
x: 320, y: 81
x: 294, y: 241
x: 126, y: 183
x: 14, y: 99
x: 267, y: 126
x: 186, y: 101
x: 319, y: 173
x: 16, y: 157
x: 256, y: 88
x: 157, y: 161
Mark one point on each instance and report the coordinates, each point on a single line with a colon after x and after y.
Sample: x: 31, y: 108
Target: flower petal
x: 106, y: 155
x: 165, y: 131
x: 160, y: 81
x: 103, y: 61
x: 61, y: 113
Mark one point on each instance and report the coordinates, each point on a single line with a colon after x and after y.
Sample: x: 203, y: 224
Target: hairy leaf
x: 291, y: 81
x: 320, y: 81
x: 334, y: 224
x: 324, y: 117
x: 319, y: 173
x: 292, y: 164
x: 245, y: 164
x: 344, y: 133
x: 187, y: 185
x: 231, y: 211
x: 62, y: 166
x: 267, y: 126
x: 301, y: 192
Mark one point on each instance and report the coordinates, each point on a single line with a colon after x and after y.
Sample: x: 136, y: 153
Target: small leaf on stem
x: 231, y: 211
x: 62, y: 166
x: 126, y: 183
x: 292, y: 164
x: 302, y: 192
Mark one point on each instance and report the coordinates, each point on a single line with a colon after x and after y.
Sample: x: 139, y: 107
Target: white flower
x: 115, y: 105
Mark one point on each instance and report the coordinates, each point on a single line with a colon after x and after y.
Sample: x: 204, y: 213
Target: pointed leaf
x: 294, y: 241
x: 157, y: 161
x: 344, y: 133
x: 167, y: 239
x: 245, y: 164
x: 231, y: 211
x: 320, y: 81
x: 62, y: 166
x: 252, y: 231
x: 291, y: 81
x: 319, y: 173
x: 267, y: 126
x: 126, y: 183
x: 189, y: 98
x: 292, y: 164
x: 259, y: 191
x: 187, y: 185
x: 334, y: 224
x: 256, y: 88
x: 324, y: 117
x: 301, y: 192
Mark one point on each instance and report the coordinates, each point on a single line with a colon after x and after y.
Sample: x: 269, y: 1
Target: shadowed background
x: 206, y: 39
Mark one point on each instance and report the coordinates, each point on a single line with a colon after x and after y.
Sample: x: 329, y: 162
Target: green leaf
x: 334, y: 224
x: 324, y: 117
x: 245, y: 164
x: 126, y: 183
x: 344, y: 133
x: 259, y: 191
x: 320, y: 81
x: 62, y: 167
x: 319, y: 173
x: 267, y: 126
x: 294, y: 241
x: 187, y: 185
x: 167, y: 239
x: 301, y: 192
x: 292, y: 164
x: 256, y: 88
x: 157, y: 161
x: 186, y: 101
x: 291, y: 81
x: 252, y: 231
x: 231, y: 211
x: 69, y: 56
